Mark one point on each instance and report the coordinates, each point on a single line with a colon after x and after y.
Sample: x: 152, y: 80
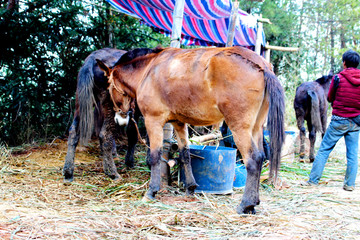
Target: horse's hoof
x: 149, y: 196
x: 311, y: 160
x: 147, y: 199
x: 114, y: 177
x: 68, y: 181
x: 246, y: 210
x: 129, y: 163
x: 191, y: 189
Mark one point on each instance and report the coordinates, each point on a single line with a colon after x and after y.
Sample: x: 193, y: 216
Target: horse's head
x: 325, y: 81
x: 122, y: 102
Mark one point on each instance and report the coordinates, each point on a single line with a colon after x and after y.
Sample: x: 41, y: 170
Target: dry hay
x: 35, y: 204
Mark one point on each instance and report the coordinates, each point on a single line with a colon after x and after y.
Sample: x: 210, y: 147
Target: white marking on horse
x: 120, y: 120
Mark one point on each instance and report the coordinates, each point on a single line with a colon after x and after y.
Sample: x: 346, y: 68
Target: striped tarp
x: 205, y: 22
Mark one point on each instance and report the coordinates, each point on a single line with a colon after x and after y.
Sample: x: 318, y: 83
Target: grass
x: 35, y: 204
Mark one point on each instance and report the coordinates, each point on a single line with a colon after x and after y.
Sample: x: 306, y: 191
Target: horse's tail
x: 275, y: 122
x: 86, y: 100
x: 315, y: 111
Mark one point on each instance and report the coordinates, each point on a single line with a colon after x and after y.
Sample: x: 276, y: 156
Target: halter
x: 111, y: 86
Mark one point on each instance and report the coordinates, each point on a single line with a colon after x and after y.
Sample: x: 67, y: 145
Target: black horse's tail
x: 275, y: 122
x: 85, y: 99
x: 315, y: 111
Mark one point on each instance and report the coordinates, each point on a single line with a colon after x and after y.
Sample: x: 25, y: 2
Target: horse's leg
x: 184, y: 156
x: 73, y: 140
x: 132, y: 136
x: 253, y: 159
x: 312, y: 138
x: 154, y: 128
x: 99, y: 122
x: 300, y: 124
x: 106, y: 138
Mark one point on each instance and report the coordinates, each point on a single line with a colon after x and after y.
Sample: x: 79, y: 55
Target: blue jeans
x: 334, y: 132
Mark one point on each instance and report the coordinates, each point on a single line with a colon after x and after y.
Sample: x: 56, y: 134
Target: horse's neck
x: 135, y: 76
x: 326, y: 87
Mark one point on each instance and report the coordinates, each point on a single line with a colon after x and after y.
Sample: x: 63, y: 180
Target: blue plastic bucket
x: 240, y: 176
x: 213, y: 168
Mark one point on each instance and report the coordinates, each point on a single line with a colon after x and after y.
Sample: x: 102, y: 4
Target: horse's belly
x: 197, y: 116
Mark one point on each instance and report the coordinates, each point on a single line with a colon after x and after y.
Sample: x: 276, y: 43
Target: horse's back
x: 107, y: 55
x: 304, y: 92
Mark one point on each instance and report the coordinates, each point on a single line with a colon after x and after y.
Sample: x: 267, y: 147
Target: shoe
x: 307, y: 183
x: 348, y: 188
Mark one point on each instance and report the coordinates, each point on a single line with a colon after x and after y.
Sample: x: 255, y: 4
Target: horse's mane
x: 135, y: 53
x: 324, y: 79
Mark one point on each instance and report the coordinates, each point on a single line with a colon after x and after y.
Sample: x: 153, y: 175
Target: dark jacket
x: 346, y: 98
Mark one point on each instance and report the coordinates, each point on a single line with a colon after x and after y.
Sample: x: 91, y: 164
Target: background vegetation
x: 44, y: 43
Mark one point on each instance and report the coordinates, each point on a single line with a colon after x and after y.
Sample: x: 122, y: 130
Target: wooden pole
x: 168, y: 128
x: 177, y: 23
x: 259, y: 37
x: 283, y: 49
x: 232, y: 24
x: 267, y: 55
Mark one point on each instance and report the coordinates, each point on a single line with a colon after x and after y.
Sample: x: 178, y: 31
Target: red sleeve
x: 332, y: 90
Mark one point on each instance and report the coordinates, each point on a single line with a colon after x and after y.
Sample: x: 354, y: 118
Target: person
x: 344, y: 95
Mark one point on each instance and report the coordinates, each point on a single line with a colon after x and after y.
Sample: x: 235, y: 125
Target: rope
x: 138, y: 133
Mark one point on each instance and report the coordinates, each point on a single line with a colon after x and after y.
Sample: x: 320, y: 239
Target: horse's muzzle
x: 121, y: 118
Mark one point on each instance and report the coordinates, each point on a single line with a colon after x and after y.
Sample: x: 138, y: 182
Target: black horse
x: 94, y: 111
x: 311, y: 104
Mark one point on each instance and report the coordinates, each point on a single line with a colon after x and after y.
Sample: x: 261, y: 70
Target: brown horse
x: 203, y: 87
x: 94, y: 111
x: 310, y: 104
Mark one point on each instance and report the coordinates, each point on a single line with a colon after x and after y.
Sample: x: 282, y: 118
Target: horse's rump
x: 91, y: 82
x: 315, y: 110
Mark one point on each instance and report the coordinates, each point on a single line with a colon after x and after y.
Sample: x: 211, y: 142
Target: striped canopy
x: 205, y: 22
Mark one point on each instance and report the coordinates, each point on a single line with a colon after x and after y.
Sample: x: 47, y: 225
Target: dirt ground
x: 35, y: 204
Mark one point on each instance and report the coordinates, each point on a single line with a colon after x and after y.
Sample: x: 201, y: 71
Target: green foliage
x: 43, y: 45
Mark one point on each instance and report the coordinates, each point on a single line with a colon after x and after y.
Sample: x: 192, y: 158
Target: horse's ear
x: 103, y: 67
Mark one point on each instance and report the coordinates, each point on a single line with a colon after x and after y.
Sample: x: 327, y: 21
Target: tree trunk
x: 12, y: 5
x: 332, y: 45
x: 342, y: 37
x: 317, y: 47
x: 109, y: 29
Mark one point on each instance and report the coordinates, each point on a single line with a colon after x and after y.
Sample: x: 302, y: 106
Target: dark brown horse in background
x: 203, y: 87
x: 311, y: 104
x: 94, y: 111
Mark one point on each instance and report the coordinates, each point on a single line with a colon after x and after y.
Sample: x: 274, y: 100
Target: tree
x: 44, y: 45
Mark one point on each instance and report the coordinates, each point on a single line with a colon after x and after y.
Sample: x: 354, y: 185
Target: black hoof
x: 190, y: 190
x: 114, y: 177
x: 150, y: 194
x: 311, y: 160
x: 68, y: 180
x: 129, y: 163
x: 68, y: 177
x: 246, y: 210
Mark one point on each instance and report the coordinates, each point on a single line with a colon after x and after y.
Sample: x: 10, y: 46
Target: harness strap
x: 111, y: 87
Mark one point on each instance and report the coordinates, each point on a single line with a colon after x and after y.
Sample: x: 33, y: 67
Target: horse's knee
x: 184, y: 155
x: 254, y: 164
x: 154, y: 157
x: 302, y: 130
x: 312, y: 136
x: 251, y: 167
